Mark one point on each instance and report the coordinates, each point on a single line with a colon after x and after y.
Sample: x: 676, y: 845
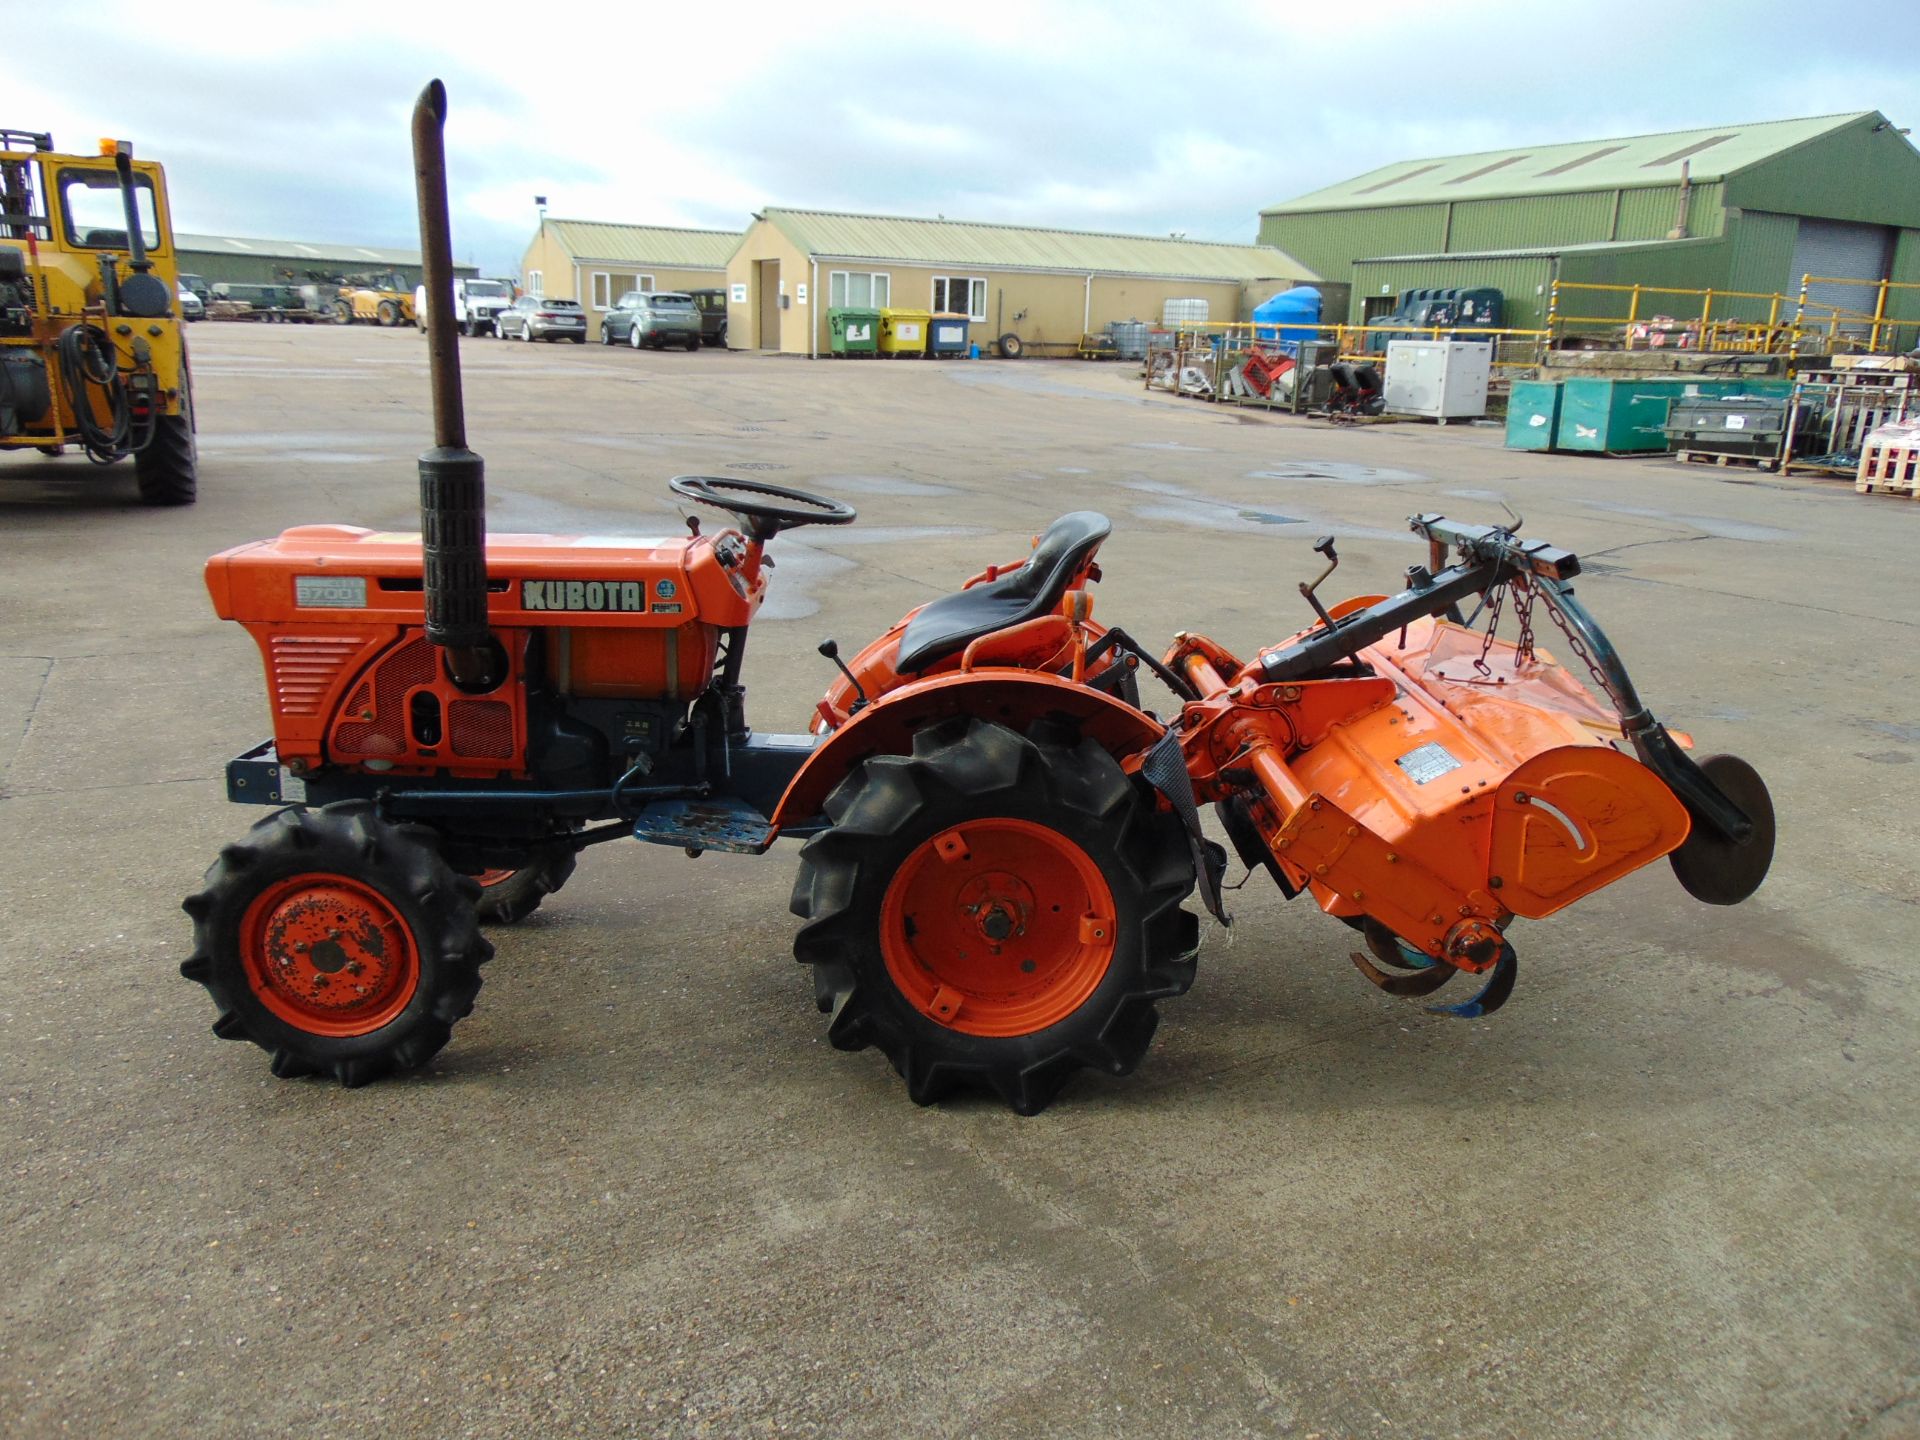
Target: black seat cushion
x: 955, y: 621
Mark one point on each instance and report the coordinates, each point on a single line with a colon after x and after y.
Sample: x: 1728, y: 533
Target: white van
x: 476, y: 305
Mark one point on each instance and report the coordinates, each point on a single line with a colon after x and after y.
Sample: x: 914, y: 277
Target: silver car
x: 532, y: 318
x: 652, y: 318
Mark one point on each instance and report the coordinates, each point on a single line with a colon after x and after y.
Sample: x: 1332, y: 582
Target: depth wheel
x: 509, y: 896
x: 168, y: 470
x: 996, y: 911
x: 1718, y: 871
x: 338, y: 943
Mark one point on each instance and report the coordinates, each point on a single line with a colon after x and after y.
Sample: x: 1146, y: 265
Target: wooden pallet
x: 1715, y: 457
x: 1889, y: 468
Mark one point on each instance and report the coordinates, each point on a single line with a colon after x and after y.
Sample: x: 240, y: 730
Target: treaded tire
x: 168, y: 470
x: 518, y: 895
x: 402, y: 865
x: 968, y: 770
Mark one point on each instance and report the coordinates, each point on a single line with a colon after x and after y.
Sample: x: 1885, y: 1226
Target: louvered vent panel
x: 305, y: 667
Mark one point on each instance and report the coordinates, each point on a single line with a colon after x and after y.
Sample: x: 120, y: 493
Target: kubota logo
x: 613, y: 595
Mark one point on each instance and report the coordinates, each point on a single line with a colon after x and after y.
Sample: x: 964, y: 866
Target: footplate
x: 719, y: 824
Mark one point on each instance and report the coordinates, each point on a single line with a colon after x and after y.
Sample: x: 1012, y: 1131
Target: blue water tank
x: 1287, y: 318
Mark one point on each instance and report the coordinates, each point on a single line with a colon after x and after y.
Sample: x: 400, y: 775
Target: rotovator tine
x: 999, y: 834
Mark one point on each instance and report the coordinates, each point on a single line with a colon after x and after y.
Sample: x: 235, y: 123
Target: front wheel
x: 168, y: 470
x: 388, y: 314
x: 337, y: 942
x: 509, y: 896
x: 996, y: 911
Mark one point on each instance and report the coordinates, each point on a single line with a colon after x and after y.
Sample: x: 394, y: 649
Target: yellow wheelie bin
x: 904, y: 332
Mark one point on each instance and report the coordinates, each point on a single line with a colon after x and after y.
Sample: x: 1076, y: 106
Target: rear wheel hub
x: 998, y: 927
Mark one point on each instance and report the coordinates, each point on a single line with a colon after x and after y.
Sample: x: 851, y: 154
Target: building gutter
x: 1302, y: 275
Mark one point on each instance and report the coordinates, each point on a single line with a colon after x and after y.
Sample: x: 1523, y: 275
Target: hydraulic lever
x: 831, y: 649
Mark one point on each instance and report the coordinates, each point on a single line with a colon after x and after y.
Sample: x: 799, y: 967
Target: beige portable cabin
x: 1047, y: 287
x: 596, y: 263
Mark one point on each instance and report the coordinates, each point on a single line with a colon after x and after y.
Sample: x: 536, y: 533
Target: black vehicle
x: 712, y: 305
x: 534, y: 318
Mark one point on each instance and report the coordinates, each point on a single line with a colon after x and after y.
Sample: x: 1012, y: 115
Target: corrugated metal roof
x: 1619, y: 162
x: 663, y: 245
x: 1527, y: 252
x: 317, y: 251
x: 901, y: 239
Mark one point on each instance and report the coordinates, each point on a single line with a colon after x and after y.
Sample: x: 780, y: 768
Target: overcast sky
x: 289, y: 120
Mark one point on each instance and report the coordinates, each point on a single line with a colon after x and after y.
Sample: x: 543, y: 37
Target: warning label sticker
x: 1429, y: 762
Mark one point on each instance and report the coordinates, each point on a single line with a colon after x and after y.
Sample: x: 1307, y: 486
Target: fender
x: 1011, y: 697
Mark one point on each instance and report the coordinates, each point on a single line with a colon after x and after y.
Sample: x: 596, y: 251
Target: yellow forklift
x: 93, y: 352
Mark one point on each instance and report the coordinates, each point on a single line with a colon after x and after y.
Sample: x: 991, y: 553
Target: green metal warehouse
x: 1733, y: 207
x: 245, y: 260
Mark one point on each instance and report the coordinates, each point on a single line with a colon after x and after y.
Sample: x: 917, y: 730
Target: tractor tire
x: 1010, y: 346
x: 271, y: 943
x: 982, y: 817
x: 342, y: 313
x: 388, y: 314
x: 509, y: 896
x: 167, y: 471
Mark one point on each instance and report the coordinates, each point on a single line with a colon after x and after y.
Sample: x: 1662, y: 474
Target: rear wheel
x: 342, y: 313
x: 996, y: 911
x: 633, y: 337
x: 693, y: 342
x: 507, y: 896
x: 167, y: 471
x: 340, y: 944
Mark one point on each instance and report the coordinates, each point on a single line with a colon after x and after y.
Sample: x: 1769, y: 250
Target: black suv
x: 712, y: 305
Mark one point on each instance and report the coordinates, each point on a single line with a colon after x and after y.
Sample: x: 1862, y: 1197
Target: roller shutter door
x: 1838, y: 247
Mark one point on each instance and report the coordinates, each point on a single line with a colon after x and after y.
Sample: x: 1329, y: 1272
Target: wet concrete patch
x: 1888, y: 757
x: 889, y: 534
x: 521, y: 513
x: 1031, y: 381
x: 878, y: 485
x: 1718, y: 528
x: 1337, y: 472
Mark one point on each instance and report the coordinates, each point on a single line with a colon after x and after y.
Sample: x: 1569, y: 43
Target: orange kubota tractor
x: 999, y: 834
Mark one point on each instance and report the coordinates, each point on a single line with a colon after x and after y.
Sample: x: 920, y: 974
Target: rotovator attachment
x: 999, y: 833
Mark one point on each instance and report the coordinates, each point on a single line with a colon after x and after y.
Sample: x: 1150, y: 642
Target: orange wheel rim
x: 329, y: 955
x: 490, y: 878
x: 997, y: 927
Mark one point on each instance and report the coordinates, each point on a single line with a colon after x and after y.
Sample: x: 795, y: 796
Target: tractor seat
x: 955, y: 621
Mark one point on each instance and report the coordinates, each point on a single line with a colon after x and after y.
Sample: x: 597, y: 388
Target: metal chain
x: 1496, y: 600
x: 1523, y: 610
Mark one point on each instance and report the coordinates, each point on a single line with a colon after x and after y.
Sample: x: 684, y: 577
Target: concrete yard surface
x: 1670, y: 1191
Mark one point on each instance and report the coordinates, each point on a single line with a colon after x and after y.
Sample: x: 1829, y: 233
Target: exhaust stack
x: 453, y: 486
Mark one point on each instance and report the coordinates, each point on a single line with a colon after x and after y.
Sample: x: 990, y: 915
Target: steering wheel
x: 752, y: 503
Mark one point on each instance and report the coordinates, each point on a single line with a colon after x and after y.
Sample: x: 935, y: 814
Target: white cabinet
x: 1441, y: 379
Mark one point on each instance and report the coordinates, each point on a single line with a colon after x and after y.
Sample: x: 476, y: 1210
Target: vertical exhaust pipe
x: 453, y: 485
